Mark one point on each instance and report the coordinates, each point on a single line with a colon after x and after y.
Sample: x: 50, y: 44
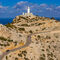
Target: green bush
x: 1, y: 45
x: 48, y: 37
x: 51, y: 54
x: 20, y: 55
x: 24, y: 25
x: 6, y: 57
x: 26, y: 58
x: 43, y: 28
x: 16, y: 58
x: 42, y: 58
x: 10, y: 40
x: 42, y: 49
x: 51, y: 59
x: 22, y: 29
x: 40, y: 24
x: 10, y: 25
x: 38, y: 36
x: 24, y: 53
x: 43, y: 55
x: 2, y: 38
x: 30, y: 31
x: 24, y: 18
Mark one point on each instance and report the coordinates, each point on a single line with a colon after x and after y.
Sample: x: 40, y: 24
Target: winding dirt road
x: 28, y: 42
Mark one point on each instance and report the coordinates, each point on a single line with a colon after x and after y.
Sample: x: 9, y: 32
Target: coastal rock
x: 45, y: 38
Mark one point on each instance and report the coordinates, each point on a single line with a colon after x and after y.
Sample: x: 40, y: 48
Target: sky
x: 13, y: 8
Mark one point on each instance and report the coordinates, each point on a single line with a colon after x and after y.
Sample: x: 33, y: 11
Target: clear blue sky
x: 48, y: 8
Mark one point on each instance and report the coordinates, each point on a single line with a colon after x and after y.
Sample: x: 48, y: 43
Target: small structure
x: 28, y: 10
x: 23, y: 13
x: 28, y: 13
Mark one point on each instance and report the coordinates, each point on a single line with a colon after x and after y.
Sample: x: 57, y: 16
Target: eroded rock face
x: 4, y: 31
x: 9, y: 33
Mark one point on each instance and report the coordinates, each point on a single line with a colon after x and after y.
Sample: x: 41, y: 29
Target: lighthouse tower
x: 29, y: 14
x: 28, y: 10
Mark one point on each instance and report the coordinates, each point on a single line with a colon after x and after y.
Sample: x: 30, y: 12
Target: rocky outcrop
x: 43, y: 46
x: 4, y: 31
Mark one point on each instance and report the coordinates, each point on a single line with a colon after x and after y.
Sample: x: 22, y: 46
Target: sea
x: 5, y: 21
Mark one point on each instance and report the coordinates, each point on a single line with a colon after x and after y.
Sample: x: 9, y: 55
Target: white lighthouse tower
x: 29, y: 14
x: 28, y: 10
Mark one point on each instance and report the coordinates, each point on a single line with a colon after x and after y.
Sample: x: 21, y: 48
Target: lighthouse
x: 28, y: 10
x: 29, y: 14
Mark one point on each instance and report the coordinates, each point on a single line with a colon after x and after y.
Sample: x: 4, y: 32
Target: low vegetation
x: 10, y: 25
x: 24, y: 25
x: 4, y: 39
x: 22, y: 29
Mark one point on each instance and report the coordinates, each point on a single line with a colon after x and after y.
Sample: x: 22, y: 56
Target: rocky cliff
x: 45, y: 38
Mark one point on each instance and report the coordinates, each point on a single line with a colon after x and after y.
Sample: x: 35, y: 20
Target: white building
x: 28, y: 12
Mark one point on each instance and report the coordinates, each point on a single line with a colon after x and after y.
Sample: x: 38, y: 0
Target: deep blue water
x: 58, y: 19
x: 9, y: 20
x: 5, y: 20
